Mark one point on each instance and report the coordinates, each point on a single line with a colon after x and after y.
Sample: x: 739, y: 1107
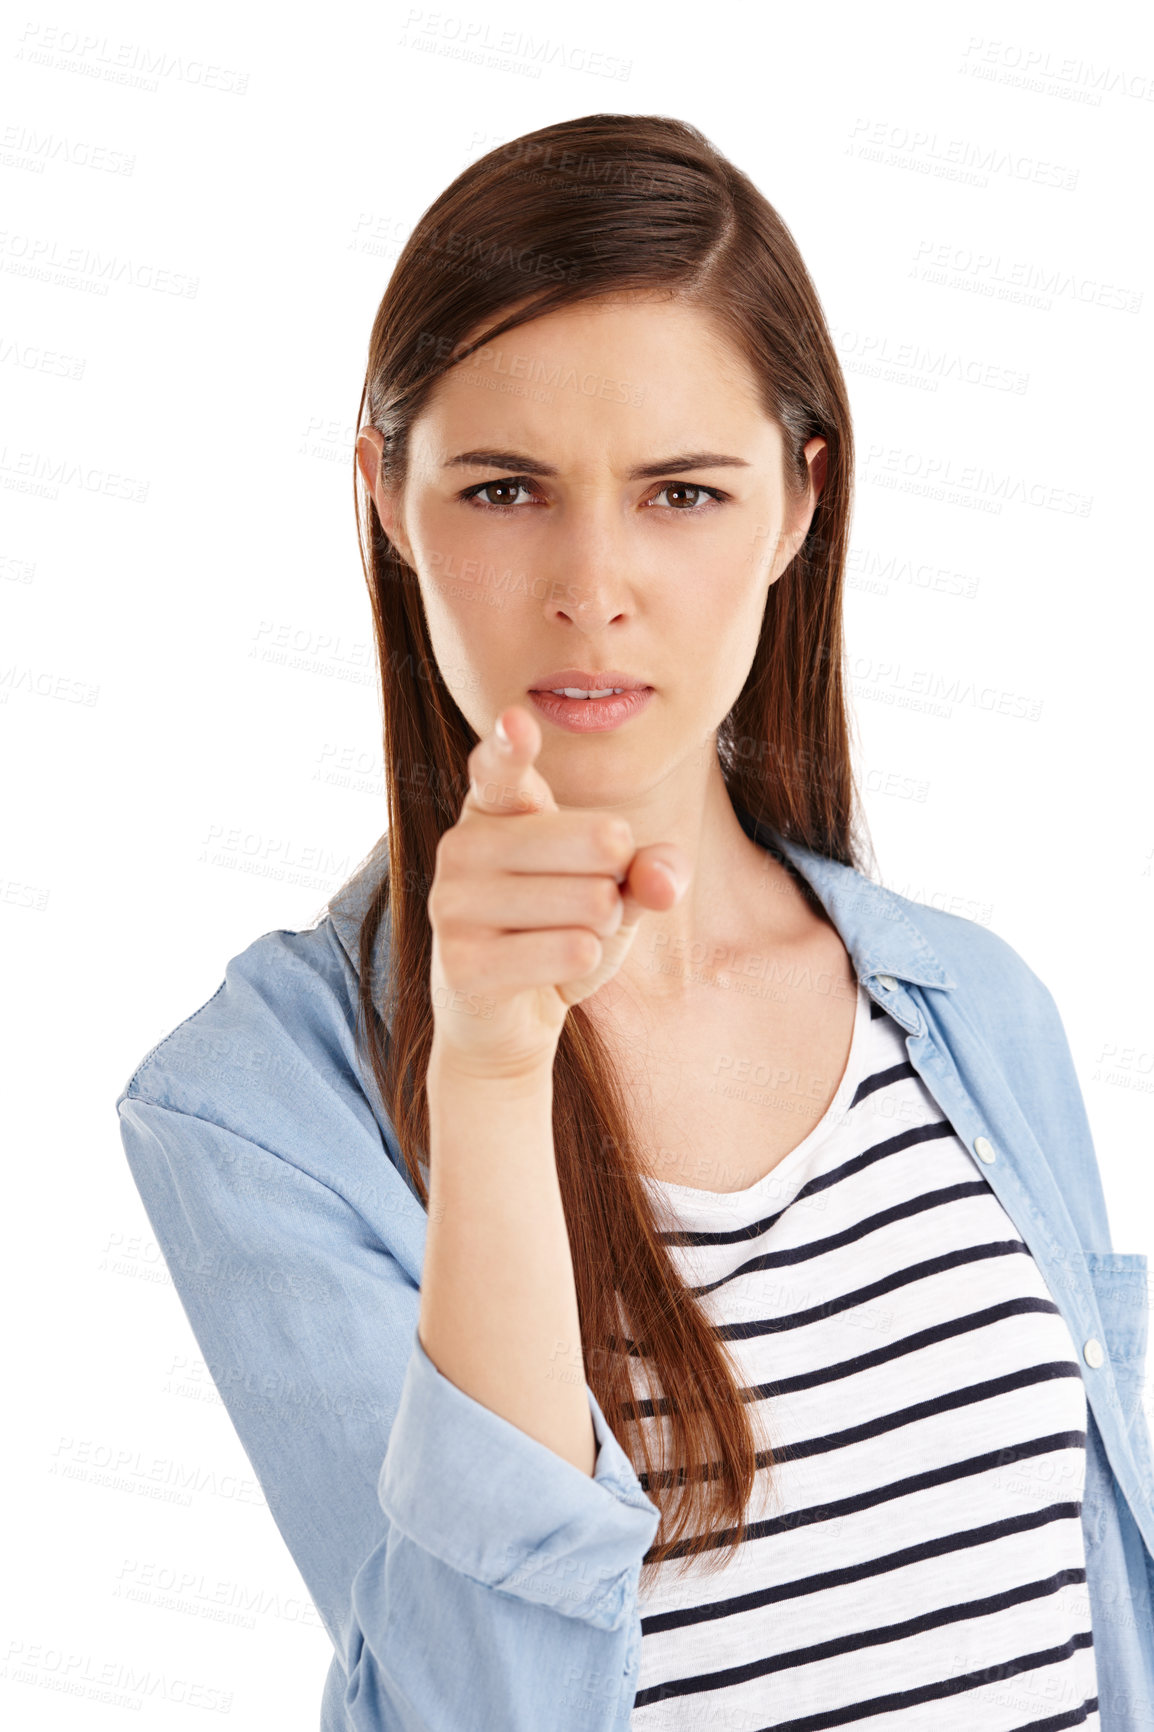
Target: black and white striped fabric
x: 915, y: 1554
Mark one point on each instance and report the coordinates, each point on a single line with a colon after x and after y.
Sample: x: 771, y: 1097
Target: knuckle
x: 605, y: 897
x: 585, y: 948
x: 455, y: 849
x: 444, y: 848
x: 459, y: 962
x: 612, y: 836
x: 452, y: 906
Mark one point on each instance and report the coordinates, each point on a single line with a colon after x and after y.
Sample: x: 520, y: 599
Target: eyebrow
x: 516, y: 460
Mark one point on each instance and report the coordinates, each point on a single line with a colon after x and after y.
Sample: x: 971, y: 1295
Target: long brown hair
x: 601, y: 205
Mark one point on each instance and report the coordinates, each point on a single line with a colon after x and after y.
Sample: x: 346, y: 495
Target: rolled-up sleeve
x: 558, y: 1539
x: 467, y: 1575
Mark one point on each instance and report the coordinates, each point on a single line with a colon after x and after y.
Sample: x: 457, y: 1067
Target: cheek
x: 457, y: 581
x: 475, y: 631
x: 443, y: 547
x: 718, y: 594
x: 465, y: 631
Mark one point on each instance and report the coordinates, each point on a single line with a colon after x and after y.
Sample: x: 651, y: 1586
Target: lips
x: 584, y: 681
x: 592, y: 715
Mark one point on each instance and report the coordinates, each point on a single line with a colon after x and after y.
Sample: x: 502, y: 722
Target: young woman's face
x: 556, y: 552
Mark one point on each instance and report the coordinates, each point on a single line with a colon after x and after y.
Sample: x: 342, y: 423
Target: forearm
x: 498, y: 1313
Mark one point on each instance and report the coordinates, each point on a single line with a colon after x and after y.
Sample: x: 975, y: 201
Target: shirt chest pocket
x: 1120, y: 1287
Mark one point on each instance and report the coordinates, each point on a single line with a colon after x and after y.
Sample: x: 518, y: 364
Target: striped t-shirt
x: 915, y: 1557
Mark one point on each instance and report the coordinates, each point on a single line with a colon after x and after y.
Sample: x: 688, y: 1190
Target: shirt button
x: 984, y: 1150
x: 888, y: 981
x: 1093, y: 1353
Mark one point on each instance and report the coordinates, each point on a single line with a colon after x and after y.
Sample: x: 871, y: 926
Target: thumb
x: 657, y: 879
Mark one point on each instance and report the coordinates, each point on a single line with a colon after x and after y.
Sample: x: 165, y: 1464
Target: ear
x: 816, y: 454
x: 370, y: 449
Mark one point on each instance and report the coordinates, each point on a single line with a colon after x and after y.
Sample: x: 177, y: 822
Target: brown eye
x: 508, y: 485
x: 678, y: 491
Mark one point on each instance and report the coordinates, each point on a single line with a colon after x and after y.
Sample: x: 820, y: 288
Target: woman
x: 660, y: 1277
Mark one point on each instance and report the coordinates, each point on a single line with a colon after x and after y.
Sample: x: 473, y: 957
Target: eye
x: 693, y: 509
x: 509, y: 484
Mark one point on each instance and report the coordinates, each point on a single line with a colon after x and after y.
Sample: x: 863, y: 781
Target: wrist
x: 488, y: 1078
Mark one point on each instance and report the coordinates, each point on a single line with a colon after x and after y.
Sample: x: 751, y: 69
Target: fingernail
x: 665, y: 867
x: 504, y: 743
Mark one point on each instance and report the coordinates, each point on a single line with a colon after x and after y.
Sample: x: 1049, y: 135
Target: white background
x: 969, y: 189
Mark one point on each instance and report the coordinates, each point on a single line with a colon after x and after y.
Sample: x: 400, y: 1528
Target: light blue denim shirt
x: 470, y: 1579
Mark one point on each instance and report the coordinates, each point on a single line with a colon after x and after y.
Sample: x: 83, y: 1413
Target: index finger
x: 504, y: 779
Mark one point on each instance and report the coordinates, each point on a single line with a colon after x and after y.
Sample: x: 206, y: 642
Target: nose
x: 592, y: 580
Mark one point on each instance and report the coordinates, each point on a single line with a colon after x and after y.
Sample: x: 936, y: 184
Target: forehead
x: 625, y: 372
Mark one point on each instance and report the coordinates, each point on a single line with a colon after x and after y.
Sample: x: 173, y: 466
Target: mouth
x: 606, y: 707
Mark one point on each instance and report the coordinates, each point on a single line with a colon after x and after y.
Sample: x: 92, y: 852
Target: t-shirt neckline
x: 688, y: 1195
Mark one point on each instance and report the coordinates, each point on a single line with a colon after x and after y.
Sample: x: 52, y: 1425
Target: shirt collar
x: 350, y: 904
x: 871, y: 920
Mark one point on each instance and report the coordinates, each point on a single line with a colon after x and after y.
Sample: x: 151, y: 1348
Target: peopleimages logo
x: 40, y: 473
x: 47, y: 259
x: 515, y: 365
x: 901, y: 146
x: 475, y: 39
x: 1022, y: 280
x: 1040, y: 69
x: 129, y: 63
x: 29, y: 148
